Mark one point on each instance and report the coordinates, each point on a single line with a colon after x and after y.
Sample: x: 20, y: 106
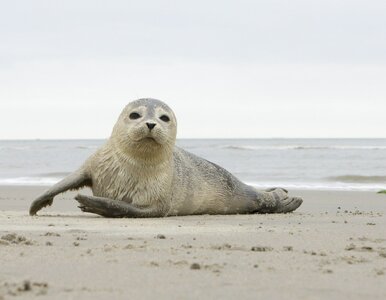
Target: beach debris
x: 160, y: 236
x: 367, y: 249
x: 314, y: 253
x: 350, y: 247
x: 360, y: 249
x: 288, y: 248
x: 51, y: 234
x: 261, y: 249
x: 17, y: 289
x: 129, y: 246
x: 26, y: 286
x: 221, y: 247
x: 353, y: 259
x: 195, y: 266
x: 178, y: 262
x: 154, y: 264
x: 48, y: 243
x: 215, y: 268
x: 76, y: 244
x: 16, y: 239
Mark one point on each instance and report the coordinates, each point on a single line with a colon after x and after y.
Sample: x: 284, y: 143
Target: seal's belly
x: 132, y: 188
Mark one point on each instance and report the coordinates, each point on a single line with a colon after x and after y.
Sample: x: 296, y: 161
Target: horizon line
x: 207, y: 138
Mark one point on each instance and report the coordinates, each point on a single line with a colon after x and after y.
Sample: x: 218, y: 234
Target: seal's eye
x: 134, y: 116
x: 165, y: 118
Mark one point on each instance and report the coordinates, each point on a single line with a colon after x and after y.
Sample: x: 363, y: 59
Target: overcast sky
x: 267, y: 68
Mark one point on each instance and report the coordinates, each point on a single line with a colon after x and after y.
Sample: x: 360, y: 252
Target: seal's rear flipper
x: 276, y: 200
x: 289, y: 205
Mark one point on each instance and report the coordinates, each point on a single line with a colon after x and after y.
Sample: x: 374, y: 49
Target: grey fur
x: 139, y: 172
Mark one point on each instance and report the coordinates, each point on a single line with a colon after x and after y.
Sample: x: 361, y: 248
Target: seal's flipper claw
x: 289, y: 205
x: 90, y: 210
x: 73, y: 181
x: 101, y: 206
x: 277, y: 201
x: 39, y: 203
x: 276, y: 188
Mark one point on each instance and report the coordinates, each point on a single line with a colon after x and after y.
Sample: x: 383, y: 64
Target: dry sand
x: 333, y: 247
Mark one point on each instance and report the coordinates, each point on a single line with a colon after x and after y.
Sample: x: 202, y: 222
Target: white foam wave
x: 328, y: 186
x: 333, y: 186
x: 17, y: 148
x: 87, y: 147
x: 30, y: 181
x: 302, y: 147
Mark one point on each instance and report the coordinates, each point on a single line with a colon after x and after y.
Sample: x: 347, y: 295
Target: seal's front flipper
x: 73, y: 181
x: 113, y: 208
x: 277, y: 201
x: 42, y: 201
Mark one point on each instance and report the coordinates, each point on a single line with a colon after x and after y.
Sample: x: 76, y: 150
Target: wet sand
x: 333, y: 247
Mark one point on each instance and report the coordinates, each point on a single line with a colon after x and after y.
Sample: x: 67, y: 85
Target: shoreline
x: 314, y: 186
x: 334, y: 241
x: 19, y: 198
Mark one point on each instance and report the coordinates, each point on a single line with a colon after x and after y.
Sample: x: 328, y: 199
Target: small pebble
x: 261, y: 249
x: 195, y: 266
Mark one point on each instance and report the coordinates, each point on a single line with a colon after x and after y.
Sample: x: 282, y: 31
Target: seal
x: 139, y: 172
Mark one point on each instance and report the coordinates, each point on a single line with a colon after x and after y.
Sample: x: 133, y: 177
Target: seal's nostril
x: 150, y: 125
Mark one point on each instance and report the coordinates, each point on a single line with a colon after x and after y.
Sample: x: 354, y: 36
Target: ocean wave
x: 51, y: 175
x: 17, y: 148
x: 38, y: 181
x: 301, y: 147
x: 322, y: 186
x: 86, y: 147
x: 328, y: 186
x: 358, y: 179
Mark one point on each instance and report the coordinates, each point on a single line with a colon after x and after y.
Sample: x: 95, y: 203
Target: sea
x: 316, y: 164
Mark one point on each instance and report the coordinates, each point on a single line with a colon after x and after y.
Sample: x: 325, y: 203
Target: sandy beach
x: 333, y: 247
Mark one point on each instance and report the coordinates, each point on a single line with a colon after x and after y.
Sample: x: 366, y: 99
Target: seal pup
x: 139, y: 172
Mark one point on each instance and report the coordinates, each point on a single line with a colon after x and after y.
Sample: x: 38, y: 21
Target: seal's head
x: 146, y: 128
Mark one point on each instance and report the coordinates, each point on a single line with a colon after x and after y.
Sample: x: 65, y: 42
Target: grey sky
x: 227, y: 68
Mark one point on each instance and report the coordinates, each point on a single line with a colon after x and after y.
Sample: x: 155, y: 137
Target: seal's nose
x: 150, y: 125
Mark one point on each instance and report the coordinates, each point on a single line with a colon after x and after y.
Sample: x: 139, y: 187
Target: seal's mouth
x: 149, y: 139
